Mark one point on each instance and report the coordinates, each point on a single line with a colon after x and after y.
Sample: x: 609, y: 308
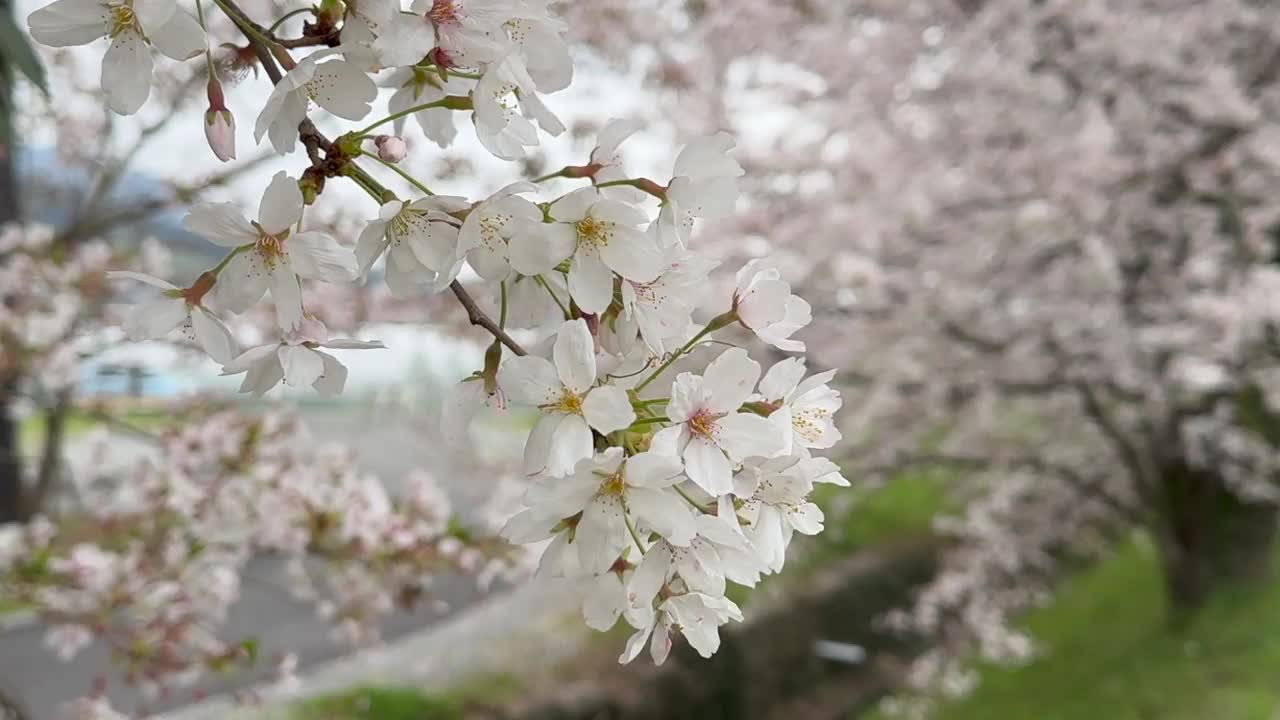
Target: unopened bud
x: 220, y: 130
x: 219, y: 123
x: 391, y: 149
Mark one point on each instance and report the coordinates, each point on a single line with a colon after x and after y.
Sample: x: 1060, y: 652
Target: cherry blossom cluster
x: 663, y: 464
x: 153, y: 564
x: 50, y: 292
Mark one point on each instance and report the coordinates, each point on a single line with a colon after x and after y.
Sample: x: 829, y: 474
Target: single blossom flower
x: 704, y: 185
x: 336, y: 85
x: 491, y: 225
x: 710, y: 433
x: 269, y: 254
x: 572, y: 405
x: 602, y: 237
x: 694, y: 615
x: 297, y: 360
x: 765, y: 305
x: 809, y: 405
x: 179, y: 308
x: 420, y: 240
x: 420, y: 86
x: 134, y: 27
x: 775, y: 502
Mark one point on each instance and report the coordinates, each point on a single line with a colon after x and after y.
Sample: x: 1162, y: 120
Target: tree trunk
x: 10, y: 457
x: 1210, y: 538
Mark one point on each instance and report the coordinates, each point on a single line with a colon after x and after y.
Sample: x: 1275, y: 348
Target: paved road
x: 389, y: 446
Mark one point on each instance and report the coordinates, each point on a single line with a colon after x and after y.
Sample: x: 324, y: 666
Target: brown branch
x: 477, y: 317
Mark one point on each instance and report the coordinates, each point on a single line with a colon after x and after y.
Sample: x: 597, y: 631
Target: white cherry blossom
x: 269, y: 253
x: 602, y: 237
x: 710, y: 433
x: 336, y: 85
x: 134, y: 27
x: 418, y: 86
x: 420, y: 240
x: 704, y: 185
x: 765, y: 305
x: 491, y: 224
x: 297, y: 361
x: 177, y: 309
x: 572, y: 405
x: 809, y: 404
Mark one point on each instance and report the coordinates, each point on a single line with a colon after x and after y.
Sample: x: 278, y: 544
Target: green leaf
x: 16, y: 50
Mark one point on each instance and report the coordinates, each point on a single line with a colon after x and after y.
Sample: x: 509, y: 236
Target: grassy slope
x: 1111, y: 655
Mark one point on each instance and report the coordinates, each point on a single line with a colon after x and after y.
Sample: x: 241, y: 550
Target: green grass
x: 31, y: 430
x: 379, y: 703
x: 1111, y: 654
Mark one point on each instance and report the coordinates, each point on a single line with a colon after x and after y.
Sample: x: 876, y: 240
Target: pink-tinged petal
x: 214, y: 337
x: 782, y: 379
x: 607, y: 408
x: 744, y: 435
x: 286, y: 293
x: 530, y: 380
x: 302, y: 365
x: 590, y: 283
x: 664, y: 512
x: 155, y: 319
x: 601, y: 534
x: 575, y: 356
x: 571, y: 444
x: 660, y: 645
x: 316, y: 256
x: 281, y: 204
x: 633, y: 255
x: 653, y: 470
x: 151, y: 280
x: 729, y: 380
x: 707, y: 467
x: 334, y: 378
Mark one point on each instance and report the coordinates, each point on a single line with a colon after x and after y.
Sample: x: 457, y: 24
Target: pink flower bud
x: 391, y: 148
x: 220, y: 129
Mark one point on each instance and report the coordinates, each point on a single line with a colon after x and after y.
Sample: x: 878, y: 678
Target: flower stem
x: 502, y: 310
x: 275, y: 25
x: 684, y: 349
x: 631, y: 528
x: 411, y: 179
x: 691, y: 501
x: 543, y: 283
x: 453, y: 102
x: 223, y: 263
x: 642, y: 422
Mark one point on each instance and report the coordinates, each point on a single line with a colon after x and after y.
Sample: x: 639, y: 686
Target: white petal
x: 370, y: 246
x: 334, y: 378
x: 286, y: 294
x: 730, y: 379
x: 663, y: 512
x: 317, y: 256
x: 575, y: 356
x: 154, y: 14
x: 688, y: 396
x: 302, y: 366
x: 573, y: 207
x: 213, y: 336
x: 221, y: 224
x: 590, y: 283
x: 782, y: 378
x: 151, y: 280
x: 601, y: 534
x: 281, y: 204
x: 650, y: 576
x: 633, y: 255
x: 126, y: 73
x: 242, y: 283
x: 460, y: 406
x: 530, y: 380
x: 65, y: 23
x: 181, y: 38
x: 343, y: 89
x: 602, y: 603
x: 536, y: 249
x: 619, y: 213
x: 607, y: 408
x: 155, y: 319
x: 349, y: 344
x: 706, y: 466
x: 743, y: 435
x: 653, y: 470
x: 537, y: 447
x: 806, y: 518
x: 572, y: 443
x: 251, y: 357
